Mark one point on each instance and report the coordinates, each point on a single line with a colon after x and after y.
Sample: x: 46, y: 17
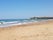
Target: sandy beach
x: 32, y: 31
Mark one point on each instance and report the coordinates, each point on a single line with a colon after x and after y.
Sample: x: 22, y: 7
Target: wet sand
x: 32, y: 31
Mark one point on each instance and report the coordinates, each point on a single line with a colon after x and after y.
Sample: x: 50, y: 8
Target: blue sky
x: 25, y: 8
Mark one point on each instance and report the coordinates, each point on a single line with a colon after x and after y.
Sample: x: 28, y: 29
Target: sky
x: 14, y: 9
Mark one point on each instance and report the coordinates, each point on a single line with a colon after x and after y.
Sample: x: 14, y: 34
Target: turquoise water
x: 20, y: 20
x: 9, y: 22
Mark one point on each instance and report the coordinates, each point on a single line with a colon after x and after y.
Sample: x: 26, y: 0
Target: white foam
x: 7, y: 24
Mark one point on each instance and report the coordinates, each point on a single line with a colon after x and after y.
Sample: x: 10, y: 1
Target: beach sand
x: 32, y: 31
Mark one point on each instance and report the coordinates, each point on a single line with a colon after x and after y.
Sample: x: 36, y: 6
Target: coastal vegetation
x: 35, y: 18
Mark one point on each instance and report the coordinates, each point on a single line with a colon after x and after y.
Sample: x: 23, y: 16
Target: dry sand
x: 33, y: 31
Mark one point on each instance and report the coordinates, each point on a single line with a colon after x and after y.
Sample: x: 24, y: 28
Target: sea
x: 10, y: 22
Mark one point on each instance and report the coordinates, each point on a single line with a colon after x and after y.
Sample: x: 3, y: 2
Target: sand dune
x: 33, y: 31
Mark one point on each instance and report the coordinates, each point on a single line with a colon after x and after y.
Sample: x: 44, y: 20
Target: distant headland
x: 41, y: 18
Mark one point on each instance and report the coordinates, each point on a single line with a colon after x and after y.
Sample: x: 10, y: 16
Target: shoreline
x: 28, y: 24
x: 33, y: 31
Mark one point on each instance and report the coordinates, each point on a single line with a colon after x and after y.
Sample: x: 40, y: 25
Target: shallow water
x: 10, y: 22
